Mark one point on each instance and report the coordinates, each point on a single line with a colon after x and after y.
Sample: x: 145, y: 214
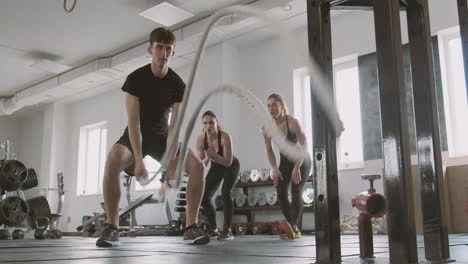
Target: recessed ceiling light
x: 166, y: 14
x: 50, y: 66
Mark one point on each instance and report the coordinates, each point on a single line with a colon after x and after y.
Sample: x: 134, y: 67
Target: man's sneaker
x: 194, y: 235
x: 226, y: 234
x: 109, y: 237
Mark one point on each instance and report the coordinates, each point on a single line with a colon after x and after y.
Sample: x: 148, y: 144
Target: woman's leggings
x: 216, y: 174
x: 292, y: 210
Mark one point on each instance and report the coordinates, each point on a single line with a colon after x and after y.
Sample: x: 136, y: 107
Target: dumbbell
x: 181, y: 202
x: 272, y: 198
x: 254, y: 175
x: 264, y: 174
x: 257, y: 228
x: 240, y: 199
x: 181, y: 195
x: 241, y: 229
x: 17, y: 234
x: 252, y: 199
x: 245, y: 176
x: 41, y: 228
x: 308, y: 196
x: 262, y: 199
x: 54, y: 234
x: 40, y: 234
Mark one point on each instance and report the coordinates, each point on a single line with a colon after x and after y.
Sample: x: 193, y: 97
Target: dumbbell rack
x: 247, y: 210
x: 16, y: 211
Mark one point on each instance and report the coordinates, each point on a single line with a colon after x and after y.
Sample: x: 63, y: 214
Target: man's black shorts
x: 152, y: 144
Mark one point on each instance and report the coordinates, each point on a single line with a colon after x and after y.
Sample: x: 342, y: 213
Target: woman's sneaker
x: 226, y: 234
x: 109, y: 236
x: 297, y: 231
x: 194, y: 235
x: 213, y: 233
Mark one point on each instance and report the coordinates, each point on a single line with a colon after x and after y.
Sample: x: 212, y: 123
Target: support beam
x: 395, y: 145
x: 427, y: 132
x: 356, y: 4
x: 327, y: 213
x: 463, y: 20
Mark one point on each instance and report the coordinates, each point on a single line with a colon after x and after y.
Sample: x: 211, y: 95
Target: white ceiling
x: 31, y: 30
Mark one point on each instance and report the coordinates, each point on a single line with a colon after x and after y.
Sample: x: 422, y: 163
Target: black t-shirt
x: 156, y: 96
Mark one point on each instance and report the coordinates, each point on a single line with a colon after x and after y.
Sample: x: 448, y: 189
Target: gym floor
x: 244, y: 249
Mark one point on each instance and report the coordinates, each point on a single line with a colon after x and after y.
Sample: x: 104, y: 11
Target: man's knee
x: 118, y: 159
x: 196, y: 167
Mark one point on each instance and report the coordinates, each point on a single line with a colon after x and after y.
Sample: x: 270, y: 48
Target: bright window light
x: 347, y: 96
x: 92, y: 158
x: 347, y: 99
x: 302, y: 103
x: 454, y: 90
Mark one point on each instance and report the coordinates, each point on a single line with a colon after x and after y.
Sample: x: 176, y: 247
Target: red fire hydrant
x: 370, y: 205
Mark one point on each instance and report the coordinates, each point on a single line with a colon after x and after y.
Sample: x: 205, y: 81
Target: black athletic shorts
x: 152, y: 144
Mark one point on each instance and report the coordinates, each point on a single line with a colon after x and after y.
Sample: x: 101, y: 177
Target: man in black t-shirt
x: 152, y: 92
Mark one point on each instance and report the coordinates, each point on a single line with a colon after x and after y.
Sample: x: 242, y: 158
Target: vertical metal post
x: 427, y: 132
x: 463, y: 20
x: 395, y: 146
x: 327, y: 213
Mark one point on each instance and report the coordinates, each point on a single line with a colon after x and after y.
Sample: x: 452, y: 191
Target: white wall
x: 30, y: 147
x: 9, y: 130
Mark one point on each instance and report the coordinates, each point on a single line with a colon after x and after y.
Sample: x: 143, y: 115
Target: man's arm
x: 172, y: 123
x: 133, y: 114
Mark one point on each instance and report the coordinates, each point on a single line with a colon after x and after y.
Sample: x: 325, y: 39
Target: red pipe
x: 370, y: 205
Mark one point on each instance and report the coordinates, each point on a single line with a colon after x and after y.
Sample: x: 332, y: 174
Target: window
x: 151, y: 165
x: 347, y: 99
x: 302, y: 103
x: 454, y: 91
x: 92, y: 158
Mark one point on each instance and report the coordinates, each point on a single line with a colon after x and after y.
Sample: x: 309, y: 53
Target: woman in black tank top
x: 288, y: 171
x: 215, y: 145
